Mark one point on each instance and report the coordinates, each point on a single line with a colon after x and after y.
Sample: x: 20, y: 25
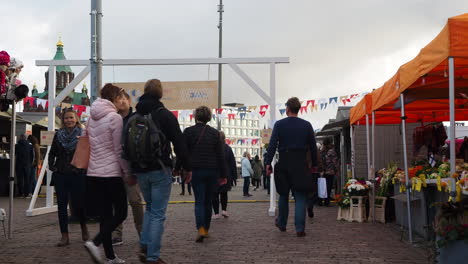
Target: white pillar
x: 12, y: 169
x: 272, y: 209
x: 408, y: 185
x: 452, y: 133
x: 51, y: 127
x: 368, y: 148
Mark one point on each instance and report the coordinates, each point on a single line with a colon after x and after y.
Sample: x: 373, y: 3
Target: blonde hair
x: 69, y: 110
x: 154, y: 88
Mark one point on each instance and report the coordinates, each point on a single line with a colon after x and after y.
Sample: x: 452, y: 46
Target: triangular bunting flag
x: 303, y: 108
x: 242, y: 109
x: 191, y: 117
x: 333, y: 100
x: 262, y: 113
x: 282, y: 111
x: 312, y: 102
x: 242, y: 116
x: 175, y: 113
x: 264, y: 107
x: 219, y: 111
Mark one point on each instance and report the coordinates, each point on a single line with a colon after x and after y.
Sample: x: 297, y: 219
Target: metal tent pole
x: 351, y: 131
x: 220, y: 55
x: 403, y: 132
x: 96, y: 48
x: 452, y: 124
x: 368, y: 147
x: 373, y: 166
x: 272, y: 209
x: 12, y: 169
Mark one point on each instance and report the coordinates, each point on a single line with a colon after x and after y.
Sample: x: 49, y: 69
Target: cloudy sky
x: 335, y: 47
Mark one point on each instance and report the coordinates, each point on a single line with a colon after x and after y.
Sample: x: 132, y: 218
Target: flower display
x: 357, y: 187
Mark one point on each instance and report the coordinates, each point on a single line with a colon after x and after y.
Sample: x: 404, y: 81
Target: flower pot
x: 453, y: 252
x: 380, y: 208
x: 343, y: 214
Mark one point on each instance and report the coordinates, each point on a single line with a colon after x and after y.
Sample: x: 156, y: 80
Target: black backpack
x: 143, y: 141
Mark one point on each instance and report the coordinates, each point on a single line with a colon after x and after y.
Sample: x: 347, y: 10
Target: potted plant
x: 451, y: 227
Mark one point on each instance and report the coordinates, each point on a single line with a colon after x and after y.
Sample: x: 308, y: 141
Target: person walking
x: 247, y: 172
x: 70, y: 182
x: 312, y: 196
x: 107, y: 170
x: 222, y: 192
x: 330, y: 168
x: 257, y: 168
x: 293, y: 137
x: 134, y: 195
x: 24, y: 160
x: 155, y: 179
x: 209, y: 167
x: 37, y: 160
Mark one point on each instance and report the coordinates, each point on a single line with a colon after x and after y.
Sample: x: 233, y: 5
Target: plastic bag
x: 322, y: 188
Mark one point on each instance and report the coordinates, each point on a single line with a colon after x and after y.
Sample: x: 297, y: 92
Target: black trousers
x: 189, y: 187
x: 70, y: 189
x: 111, y: 198
x: 220, y: 196
x: 23, y: 176
x: 246, y: 185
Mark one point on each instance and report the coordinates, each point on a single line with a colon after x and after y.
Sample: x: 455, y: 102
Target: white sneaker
x: 117, y: 260
x: 225, y: 214
x: 216, y: 216
x: 94, y: 252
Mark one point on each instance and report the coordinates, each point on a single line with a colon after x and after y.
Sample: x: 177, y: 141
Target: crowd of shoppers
x: 204, y: 161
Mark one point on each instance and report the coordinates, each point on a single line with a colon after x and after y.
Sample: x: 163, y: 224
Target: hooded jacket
x: 104, y: 129
x: 170, y: 127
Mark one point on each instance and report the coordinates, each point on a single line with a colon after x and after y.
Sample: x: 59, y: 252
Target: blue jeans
x: 204, y: 185
x: 156, y: 189
x: 300, y: 208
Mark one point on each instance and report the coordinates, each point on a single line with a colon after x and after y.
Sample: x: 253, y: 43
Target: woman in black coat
x: 69, y: 181
x: 222, y: 192
x: 208, y: 166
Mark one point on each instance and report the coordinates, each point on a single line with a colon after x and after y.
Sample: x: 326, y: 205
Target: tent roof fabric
x: 428, y: 74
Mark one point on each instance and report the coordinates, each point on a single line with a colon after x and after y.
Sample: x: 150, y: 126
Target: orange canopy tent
x: 424, y: 82
x: 431, y: 87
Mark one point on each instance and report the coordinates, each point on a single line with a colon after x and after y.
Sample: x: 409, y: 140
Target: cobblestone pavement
x: 247, y: 236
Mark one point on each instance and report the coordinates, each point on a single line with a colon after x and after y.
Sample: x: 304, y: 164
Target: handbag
x: 322, y: 188
x: 81, y: 157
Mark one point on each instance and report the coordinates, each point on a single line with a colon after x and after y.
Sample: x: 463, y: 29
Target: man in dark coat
x: 293, y: 137
x: 24, y: 159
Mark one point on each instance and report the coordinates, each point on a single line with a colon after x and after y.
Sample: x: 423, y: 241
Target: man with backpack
x: 147, y: 138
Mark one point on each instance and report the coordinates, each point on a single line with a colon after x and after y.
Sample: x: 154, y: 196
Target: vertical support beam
x: 344, y: 170
x: 220, y: 55
x: 373, y: 167
x: 351, y: 132
x: 452, y: 124
x: 368, y: 148
x: 12, y: 169
x: 272, y: 209
x: 96, y: 48
x: 405, y: 159
x: 51, y: 127
x: 373, y: 146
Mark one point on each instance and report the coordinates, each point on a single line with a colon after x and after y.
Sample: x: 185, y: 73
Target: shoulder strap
x: 201, y: 135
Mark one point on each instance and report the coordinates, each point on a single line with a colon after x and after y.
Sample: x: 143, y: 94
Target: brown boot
x: 64, y: 241
x: 84, y: 233
x: 202, y: 234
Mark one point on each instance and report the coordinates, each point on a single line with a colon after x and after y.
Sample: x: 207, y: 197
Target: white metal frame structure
x: 54, y: 101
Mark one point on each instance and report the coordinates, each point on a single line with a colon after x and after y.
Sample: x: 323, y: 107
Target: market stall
x: 432, y: 87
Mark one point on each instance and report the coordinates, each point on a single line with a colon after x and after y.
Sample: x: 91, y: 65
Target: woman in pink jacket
x: 107, y: 170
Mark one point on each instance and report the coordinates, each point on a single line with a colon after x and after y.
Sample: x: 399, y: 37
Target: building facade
x: 242, y: 135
